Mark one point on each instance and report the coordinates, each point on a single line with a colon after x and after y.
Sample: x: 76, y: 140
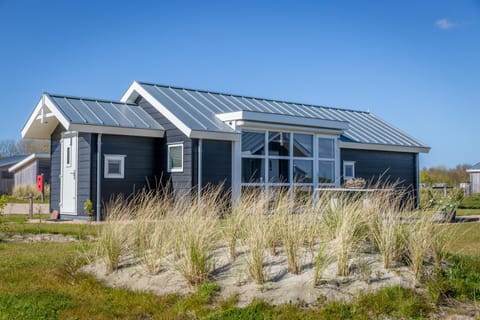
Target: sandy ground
x: 281, y: 287
x: 40, y: 237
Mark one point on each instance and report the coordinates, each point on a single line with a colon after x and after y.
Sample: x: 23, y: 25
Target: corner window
x: 175, y: 157
x: 348, y: 170
x: 114, y: 166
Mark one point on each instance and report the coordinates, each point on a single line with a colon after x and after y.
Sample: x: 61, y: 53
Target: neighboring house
x: 6, y: 177
x: 26, y: 171
x: 474, y: 172
x: 194, y: 138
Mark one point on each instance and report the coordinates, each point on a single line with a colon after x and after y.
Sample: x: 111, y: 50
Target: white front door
x: 68, y: 176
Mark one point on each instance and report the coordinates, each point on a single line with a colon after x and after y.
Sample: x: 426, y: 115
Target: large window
x: 275, y: 159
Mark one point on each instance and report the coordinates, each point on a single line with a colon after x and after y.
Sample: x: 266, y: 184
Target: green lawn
x: 467, y: 239
x: 468, y: 212
x: 17, y: 224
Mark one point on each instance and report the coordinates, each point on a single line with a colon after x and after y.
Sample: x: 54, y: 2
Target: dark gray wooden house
x: 26, y: 171
x: 194, y: 138
x: 474, y: 172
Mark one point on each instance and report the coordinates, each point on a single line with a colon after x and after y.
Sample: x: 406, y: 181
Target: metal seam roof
x: 99, y: 112
x: 475, y: 167
x: 199, y: 113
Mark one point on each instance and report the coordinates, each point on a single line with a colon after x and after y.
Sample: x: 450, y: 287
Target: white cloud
x: 445, y: 24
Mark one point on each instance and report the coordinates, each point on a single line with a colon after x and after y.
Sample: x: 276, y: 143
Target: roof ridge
x: 86, y: 98
x: 251, y: 97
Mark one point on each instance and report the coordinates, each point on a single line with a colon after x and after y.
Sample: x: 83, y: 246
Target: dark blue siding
x: 181, y: 181
x: 83, y: 170
x: 390, y: 166
x: 142, y: 169
x: 217, y: 163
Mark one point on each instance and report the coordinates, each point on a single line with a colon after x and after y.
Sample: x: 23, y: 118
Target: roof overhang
x: 29, y: 159
x: 273, y: 120
x: 383, y: 147
x: 47, y: 116
x: 473, y: 170
x: 43, y: 120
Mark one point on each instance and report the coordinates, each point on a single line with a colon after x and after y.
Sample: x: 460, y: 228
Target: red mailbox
x: 40, y: 183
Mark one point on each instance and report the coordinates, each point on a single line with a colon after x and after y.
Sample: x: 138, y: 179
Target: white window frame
x: 335, y: 160
x: 169, y: 163
x: 345, y: 164
x: 315, y: 158
x: 114, y: 157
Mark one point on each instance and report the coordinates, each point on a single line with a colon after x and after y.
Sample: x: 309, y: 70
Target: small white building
x: 25, y: 172
x: 474, y: 172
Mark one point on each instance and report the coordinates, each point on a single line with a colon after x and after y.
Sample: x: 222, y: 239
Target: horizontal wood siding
x: 217, y: 163
x: 181, y: 181
x: 389, y: 166
x: 55, y: 164
x: 475, y: 182
x: 83, y: 171
x: 27, y: 175
x: 141, y: 164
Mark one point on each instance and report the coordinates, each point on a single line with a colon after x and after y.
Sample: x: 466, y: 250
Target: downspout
x: 99, y: 174
x: 199, y: 169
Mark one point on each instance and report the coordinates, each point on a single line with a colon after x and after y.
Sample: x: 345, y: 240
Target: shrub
x: 113, y: 240
x: 256, y: 233
x: 197, y: 233
x: 419, y: 242
x: 344, y: 221
x: 387, y: 229
x: 24, y: 190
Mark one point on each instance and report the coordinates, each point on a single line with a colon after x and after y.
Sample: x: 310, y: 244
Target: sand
x: 281, y: 287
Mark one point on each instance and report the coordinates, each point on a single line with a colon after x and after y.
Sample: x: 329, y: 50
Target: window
x: 274, y: 159
x: 69, y: 156
x: 348, y: 170
x: 114, y: 166
x: 175, y: 157
x: 326, y: 161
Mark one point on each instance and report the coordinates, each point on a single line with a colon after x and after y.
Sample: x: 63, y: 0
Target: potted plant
x: 88, y: 208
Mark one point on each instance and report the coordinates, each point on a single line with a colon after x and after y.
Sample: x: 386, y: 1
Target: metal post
x: 43, y: 189
x: 99, y: 175
x: 30, y: 207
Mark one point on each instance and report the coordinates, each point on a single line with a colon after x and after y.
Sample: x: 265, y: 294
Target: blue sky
x: 415, y: 64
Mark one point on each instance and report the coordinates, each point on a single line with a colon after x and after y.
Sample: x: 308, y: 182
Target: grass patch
x: 470, y: 202
x: 468, y: 239
x: 17, y: 224
x: 461, y: 281
x: 468, y: 212
x: 396, y: 302
x: 11, y: 199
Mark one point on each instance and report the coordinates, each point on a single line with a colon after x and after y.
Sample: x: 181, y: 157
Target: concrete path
x: 22, y: 208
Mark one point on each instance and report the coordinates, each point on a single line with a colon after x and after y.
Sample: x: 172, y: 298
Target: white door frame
x: 74, y: 163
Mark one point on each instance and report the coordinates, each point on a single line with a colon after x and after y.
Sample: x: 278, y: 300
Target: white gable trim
x: 382, y: 147
x: 136, y: 89
x: 27, y: 160
x: 39, y: 111
x: 264, y: 117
